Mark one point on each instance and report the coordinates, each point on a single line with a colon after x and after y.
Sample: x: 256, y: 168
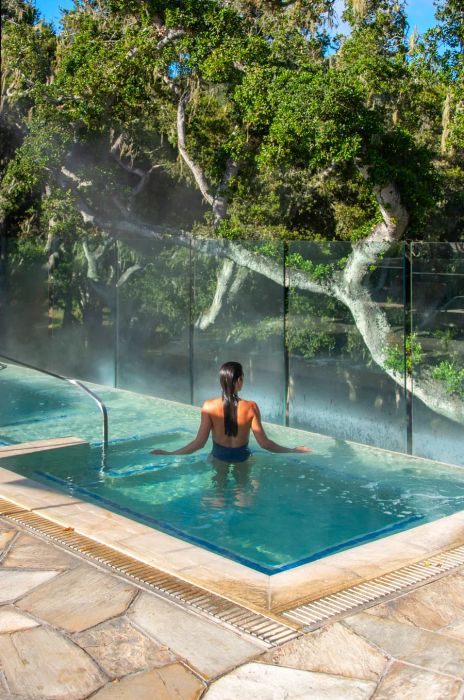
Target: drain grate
x: 364, y: 595
x: 267, y: 630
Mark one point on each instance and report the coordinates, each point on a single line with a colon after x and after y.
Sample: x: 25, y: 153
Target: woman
x: 230, y: 420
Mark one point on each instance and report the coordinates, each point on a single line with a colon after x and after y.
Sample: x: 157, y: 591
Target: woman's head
x: 230, y: 375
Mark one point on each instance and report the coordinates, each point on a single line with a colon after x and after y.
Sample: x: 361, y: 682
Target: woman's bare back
x: 246, y: 412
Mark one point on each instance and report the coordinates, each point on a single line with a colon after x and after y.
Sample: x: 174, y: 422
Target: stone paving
x: 70, y: 630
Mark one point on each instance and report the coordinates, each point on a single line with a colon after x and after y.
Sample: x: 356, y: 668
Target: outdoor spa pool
x: 273, y: 513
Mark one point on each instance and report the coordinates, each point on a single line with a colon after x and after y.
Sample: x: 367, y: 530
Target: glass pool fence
x: 333, y: 339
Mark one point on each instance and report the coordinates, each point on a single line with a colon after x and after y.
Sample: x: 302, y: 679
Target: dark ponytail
x: 229, y: 374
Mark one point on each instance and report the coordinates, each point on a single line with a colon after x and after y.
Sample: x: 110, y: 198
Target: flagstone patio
x: 71, y: 630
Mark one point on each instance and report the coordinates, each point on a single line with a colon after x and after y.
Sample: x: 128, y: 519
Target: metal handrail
x: 79, y: 384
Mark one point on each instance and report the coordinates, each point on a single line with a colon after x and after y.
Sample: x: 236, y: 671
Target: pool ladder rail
x: 80, y: 385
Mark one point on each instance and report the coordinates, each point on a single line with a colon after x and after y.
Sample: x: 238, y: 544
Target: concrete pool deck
x: 267, y: 594
x: 71, y: 630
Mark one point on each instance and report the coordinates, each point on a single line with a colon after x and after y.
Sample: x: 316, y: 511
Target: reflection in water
x: 239, y: 491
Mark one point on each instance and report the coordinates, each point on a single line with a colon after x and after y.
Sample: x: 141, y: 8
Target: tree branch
x: 124, y: 228
x: 143, y: 175
x: 224, y: 279
x: 78, y: 181
x: 383, y: 235
x: 127, y: 274
x: 61, y: 99
x: 92, y: 257
x: 221, y: 199
x: 171, y: 35
x: 195, y: 169
x: 375, y: 330
x: 229, y: 282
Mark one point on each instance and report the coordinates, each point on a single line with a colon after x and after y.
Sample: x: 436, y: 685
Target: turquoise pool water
x: 272, y: 513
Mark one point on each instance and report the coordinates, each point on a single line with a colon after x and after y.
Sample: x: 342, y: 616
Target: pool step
x: 269, y: 630
x: 351, y: 600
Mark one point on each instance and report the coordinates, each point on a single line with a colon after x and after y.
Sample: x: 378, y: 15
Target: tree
x: 245, y: 103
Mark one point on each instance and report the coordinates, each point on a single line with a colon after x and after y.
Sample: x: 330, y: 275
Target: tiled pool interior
x: 275, y: 513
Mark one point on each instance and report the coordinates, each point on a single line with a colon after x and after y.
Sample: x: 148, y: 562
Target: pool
x: 272, y: 514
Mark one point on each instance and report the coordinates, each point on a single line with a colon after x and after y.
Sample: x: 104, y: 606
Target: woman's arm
x: 197, y: 443
x: 263, y: 440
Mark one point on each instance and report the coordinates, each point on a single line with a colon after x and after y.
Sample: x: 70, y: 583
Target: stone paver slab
x: 12, y: 621
x: 80, y: 598
x: 409, y: 683
x: 333, y: 649
x: 5, y: 538
x: 261, y: 682
x: 205, y: 645
x: 456, y: 629
x: 431, y: 607
x: 3, y: 689
x: 120, y: 649
x: 40, y: 663
x: 173, y: 682
x: 31, y: 553
x: 14, y: 584
x: 428, y: 649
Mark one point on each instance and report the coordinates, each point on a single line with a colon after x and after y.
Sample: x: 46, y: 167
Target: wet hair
x: 229, y: 374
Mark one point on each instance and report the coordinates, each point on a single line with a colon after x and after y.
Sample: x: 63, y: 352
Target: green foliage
x: 258, y: 332
x: 262, y: 92
x: 321, y: 327
x: 308, y: 341
x: 443, y: 54
x: 209, y: 120
x: 40, y: 153
x: 445, y: 337
x: 63, y: 220
x: 313, y: 117
x: 272, y: 249
x: 409, y: 357
x: 318, y: 271
x: 26, y: 252
x: 395, y: 359
x: 452, y: 376
x: 28, y: 49
x: 164, y: 313
x: 28, y: 52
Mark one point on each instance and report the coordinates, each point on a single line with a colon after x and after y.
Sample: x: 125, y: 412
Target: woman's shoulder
x: 249, y: 405
x: 211, y: 404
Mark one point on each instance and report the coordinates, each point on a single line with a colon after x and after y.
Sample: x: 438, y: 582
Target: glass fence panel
x: 339, y: 360
x: 82, y: 311
x: 327, y: 353
x: 153, y: 338
x: 438, y: 350
x: 24, y: 318
x: 238, y: 314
